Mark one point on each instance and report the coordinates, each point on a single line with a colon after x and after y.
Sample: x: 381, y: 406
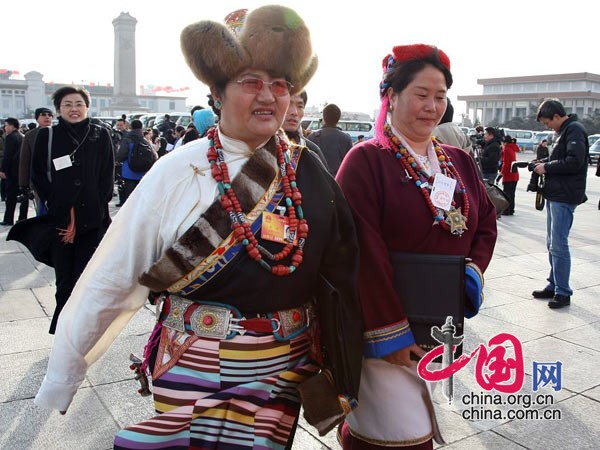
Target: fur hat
x: 271, y: 38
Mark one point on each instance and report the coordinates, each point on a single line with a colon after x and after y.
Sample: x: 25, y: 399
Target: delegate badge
x: 276, y: 228
x: 442, y: 191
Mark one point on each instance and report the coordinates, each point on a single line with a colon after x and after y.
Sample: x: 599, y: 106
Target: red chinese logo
x: 494, y: 368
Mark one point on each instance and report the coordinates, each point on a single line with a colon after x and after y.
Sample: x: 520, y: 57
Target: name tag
x: 61, y: 163
x: 442, y: 191
x: 276, y: 228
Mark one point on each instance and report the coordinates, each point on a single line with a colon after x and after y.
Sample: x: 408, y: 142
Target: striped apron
x: 223, y: 394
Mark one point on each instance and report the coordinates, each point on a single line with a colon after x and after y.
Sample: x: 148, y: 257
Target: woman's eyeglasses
x: 253, y: 86
x: 69, y: 105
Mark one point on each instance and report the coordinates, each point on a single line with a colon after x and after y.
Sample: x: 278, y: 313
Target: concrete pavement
x: 107, y: 401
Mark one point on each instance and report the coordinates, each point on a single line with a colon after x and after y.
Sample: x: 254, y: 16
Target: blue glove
x: 473, y: 290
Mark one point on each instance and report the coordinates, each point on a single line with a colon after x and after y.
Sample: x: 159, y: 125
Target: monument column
x: 124, y: 81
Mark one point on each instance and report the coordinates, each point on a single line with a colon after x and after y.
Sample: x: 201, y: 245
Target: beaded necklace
x: 298, y: 225
x: 452, y: 220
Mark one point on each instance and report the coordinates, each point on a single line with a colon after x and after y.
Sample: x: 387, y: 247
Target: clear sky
x: 72, y: 41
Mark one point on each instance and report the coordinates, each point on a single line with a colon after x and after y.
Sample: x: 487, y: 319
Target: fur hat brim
x: 273, y: 38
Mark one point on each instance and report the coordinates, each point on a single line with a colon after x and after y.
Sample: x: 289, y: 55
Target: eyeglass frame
x: 78, y: 104
x: 262, y: 83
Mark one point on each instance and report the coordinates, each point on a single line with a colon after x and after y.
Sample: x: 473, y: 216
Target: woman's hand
x: 402, y: 357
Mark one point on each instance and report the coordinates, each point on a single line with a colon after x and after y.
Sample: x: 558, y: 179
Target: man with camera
x: 565, y: 173
x: 44, y: 117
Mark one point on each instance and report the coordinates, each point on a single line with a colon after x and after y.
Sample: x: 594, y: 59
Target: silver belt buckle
x: 214, y: 322
x: 288, y: 324
x: 175, y: 319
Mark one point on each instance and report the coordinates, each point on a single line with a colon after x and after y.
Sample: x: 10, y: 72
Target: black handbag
x: 37, y: 234
x: 341, y: 341
x: 497, y: 196
x: 429, y: 304
x: 341, y: 336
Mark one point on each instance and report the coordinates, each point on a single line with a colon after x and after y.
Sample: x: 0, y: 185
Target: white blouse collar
x: 431, y: 155
x: 235, y: 146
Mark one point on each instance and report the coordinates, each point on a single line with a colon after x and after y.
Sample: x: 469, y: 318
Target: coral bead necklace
x: 453, y: 220
x: 298, y: 226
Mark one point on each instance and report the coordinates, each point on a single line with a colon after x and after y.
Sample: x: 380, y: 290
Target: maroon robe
x: 391, y: 214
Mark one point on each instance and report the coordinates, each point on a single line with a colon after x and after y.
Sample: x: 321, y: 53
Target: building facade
x: 19, y: 98
x: 506, y: 98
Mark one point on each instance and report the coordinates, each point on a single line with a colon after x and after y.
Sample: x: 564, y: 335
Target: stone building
x: 506, y: 98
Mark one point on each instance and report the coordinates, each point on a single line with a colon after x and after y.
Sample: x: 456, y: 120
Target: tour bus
x: 525, y: 138
x: 354, y: 128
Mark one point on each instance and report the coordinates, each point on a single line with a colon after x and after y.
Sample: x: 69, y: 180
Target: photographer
x: 565, y: 178
x: 490, y: 155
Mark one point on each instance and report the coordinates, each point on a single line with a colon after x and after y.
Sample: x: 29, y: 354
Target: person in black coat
x: 10, y: 171
x: 76, y: 183
x: 565, y: 173
x: 490, y: 155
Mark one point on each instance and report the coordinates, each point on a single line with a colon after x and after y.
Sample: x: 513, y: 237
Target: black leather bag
x: 341, y: 341
x: 341, y: 336
x: 497, y: 196
x: 428, y: 304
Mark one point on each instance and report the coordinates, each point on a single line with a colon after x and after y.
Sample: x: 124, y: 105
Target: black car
x: 595, y: 152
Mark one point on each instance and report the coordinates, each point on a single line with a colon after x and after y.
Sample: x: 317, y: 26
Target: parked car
x: 184, y: 119
x: 595, y: 152
x: 148, y: 120
x: 593, y: 138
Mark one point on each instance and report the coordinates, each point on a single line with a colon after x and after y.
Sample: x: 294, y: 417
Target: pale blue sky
x: 72, y: 41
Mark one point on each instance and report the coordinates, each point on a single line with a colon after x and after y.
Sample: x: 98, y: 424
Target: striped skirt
x: 223, y: 394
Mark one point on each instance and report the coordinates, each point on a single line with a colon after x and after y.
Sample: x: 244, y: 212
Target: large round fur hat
x: 272, y: 38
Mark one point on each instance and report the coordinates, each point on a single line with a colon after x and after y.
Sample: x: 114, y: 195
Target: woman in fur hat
x: 239, y: 235
x: 388, y: 183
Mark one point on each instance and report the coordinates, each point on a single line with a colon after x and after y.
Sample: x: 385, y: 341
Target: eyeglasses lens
x: 253, y: 86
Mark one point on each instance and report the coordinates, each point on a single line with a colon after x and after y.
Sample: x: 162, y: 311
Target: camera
x: 535, y: 182
x: 25, y: 194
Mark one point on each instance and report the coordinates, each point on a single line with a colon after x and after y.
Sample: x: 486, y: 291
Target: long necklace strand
x: 415, y: 171
x: 298, y: 225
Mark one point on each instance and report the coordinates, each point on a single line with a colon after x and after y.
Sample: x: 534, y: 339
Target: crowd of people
x: 266, y: 250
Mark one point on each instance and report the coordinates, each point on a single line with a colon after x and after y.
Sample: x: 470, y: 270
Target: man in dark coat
x: 565, y: 173
x: 44, y: 119
x: 131, y: 178
x: 10, y: 171
x: 490, y: 155
x: 332, y: 141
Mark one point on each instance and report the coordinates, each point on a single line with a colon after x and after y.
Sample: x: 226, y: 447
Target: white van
x: 525, y: 138
x: 353, y: 128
